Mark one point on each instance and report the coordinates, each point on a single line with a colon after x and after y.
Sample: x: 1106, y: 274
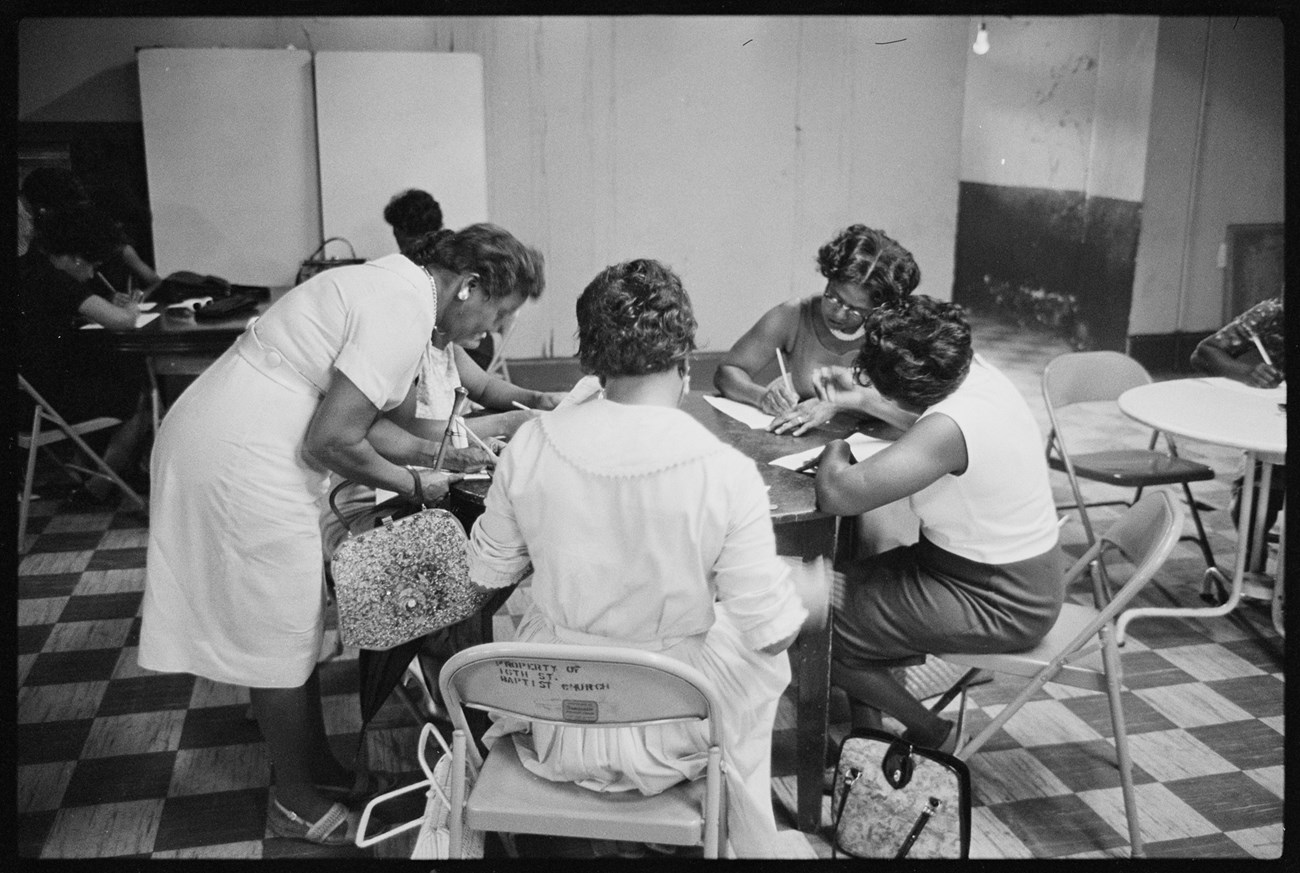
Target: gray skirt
x: 919, y: 599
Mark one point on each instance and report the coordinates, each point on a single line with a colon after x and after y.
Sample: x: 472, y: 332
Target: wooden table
x: 1226, y: 413
x: 803, y: 532
x: 178, y: 346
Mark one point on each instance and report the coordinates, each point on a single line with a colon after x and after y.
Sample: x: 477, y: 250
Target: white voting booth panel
x: 388, y: 121
x: 230, y: 151
x: 254, y: 156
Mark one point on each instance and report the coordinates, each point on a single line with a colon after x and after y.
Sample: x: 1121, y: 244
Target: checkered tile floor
x: 115, y: 761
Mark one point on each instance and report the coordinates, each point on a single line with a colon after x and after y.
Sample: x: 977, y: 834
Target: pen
x: 785, y: 374
x: 482, y: 445
x: 517, y: 405
x: 808, y: 464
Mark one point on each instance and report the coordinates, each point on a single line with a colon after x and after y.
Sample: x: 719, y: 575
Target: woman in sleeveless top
x: 864, y: 269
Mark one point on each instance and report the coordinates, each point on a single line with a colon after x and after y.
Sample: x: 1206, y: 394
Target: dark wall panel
x: 1053, y: 258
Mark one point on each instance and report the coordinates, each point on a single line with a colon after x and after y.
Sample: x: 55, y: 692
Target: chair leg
x: 104, y: 470
x: 456, y: 810
x: 1200, y: 528
x: 1111, y: 662
x: 25, y: 506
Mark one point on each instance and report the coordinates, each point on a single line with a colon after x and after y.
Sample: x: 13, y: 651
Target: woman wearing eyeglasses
x: 819, y: 337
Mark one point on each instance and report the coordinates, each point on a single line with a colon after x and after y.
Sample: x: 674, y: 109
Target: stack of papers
x: 140, y: 321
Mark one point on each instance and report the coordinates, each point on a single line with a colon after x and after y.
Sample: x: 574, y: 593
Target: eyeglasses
x: 855, y: 311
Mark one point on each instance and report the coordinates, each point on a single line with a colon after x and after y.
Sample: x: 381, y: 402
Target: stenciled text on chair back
x: 580, y: 687
x: 567, y: 684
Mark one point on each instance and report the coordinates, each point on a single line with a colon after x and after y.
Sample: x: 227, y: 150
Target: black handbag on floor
x: 893, y: 799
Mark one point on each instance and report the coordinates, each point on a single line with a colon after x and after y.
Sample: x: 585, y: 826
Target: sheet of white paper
x: 861, y: 445
x: 140, y: 321
x: 742, y: 412
x: 147, y: 306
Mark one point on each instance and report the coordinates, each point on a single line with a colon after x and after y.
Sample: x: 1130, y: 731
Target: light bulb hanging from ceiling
x: 981, y: 46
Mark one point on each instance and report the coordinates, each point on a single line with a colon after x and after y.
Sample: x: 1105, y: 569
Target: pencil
x: 517, y: 405
x: 808, y: 464
x: 456, y: 405
x: 107, y: 284
x: 482, y: 445
x: 1254, y: 337
x: 785, y: 374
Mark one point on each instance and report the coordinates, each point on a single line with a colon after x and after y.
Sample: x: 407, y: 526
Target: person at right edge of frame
x: 1231, y: 352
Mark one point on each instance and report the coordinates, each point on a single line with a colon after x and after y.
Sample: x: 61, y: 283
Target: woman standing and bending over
x: 643, y: 530
x: 986, y: 573
x: 234, y: 588
x: 864, y: 269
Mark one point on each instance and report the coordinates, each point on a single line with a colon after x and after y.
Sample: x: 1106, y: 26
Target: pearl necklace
x: 433, y: 283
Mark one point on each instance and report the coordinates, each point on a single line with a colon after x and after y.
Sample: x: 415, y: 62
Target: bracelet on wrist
x: 418, y: 493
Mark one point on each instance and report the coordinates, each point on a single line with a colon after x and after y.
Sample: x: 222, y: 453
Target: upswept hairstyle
x: 81, y: 229
x: 634, y: 319
x: 916, y: 352
x: 413, y: 213
x: 868, y: 257
x: 504, y: 264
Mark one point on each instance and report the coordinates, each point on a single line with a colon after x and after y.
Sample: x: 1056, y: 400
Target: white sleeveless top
x: 1000, y: 510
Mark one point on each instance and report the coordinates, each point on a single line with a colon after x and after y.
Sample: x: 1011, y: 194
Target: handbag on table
x: 402, y: 580
x: 316, y: 262
x: 894, y: 799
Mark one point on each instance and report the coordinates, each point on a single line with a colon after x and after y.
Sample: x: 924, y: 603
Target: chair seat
x: 47, y: 437
x: 1135, y: 468
x: 506, y: 798
x: 1084, y: 671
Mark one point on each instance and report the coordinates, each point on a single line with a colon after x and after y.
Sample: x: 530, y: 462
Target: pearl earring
x: 462, y: 294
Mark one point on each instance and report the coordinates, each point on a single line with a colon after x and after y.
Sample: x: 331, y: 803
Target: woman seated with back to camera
x: 643, y: 530
x: 986, y: 573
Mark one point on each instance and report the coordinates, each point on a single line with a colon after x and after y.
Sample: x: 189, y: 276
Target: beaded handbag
x: 402, y: 580
x: 893, y: 799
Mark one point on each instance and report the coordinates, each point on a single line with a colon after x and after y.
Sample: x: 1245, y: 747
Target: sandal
x: 367, y: 784
x: 324, y: 831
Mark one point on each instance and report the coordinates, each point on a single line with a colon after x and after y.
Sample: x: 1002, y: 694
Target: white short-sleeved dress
x: 234, y: 587
x: 644, y: 530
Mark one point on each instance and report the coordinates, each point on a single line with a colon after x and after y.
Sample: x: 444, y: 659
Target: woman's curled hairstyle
x: 413, y: 212
x: 504, y: 265
x: 634, y: 319
x: 916, y: 352
x: 864, y: 256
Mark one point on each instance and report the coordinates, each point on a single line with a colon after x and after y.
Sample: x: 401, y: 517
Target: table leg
x: 1279, y: 581
x: 811, y: 663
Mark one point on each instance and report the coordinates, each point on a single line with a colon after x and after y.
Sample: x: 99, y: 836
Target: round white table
x: 1226, y: 413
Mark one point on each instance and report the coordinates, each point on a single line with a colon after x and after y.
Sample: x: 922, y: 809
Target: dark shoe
x: 337, y: 827
x: 366, y: 785
x: 947, y: 745
x: 82, y: 498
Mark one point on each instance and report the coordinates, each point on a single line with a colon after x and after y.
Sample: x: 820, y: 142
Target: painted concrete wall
x: 1053, y: 155
x: 730, y: 148
x: 1216, y: 157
